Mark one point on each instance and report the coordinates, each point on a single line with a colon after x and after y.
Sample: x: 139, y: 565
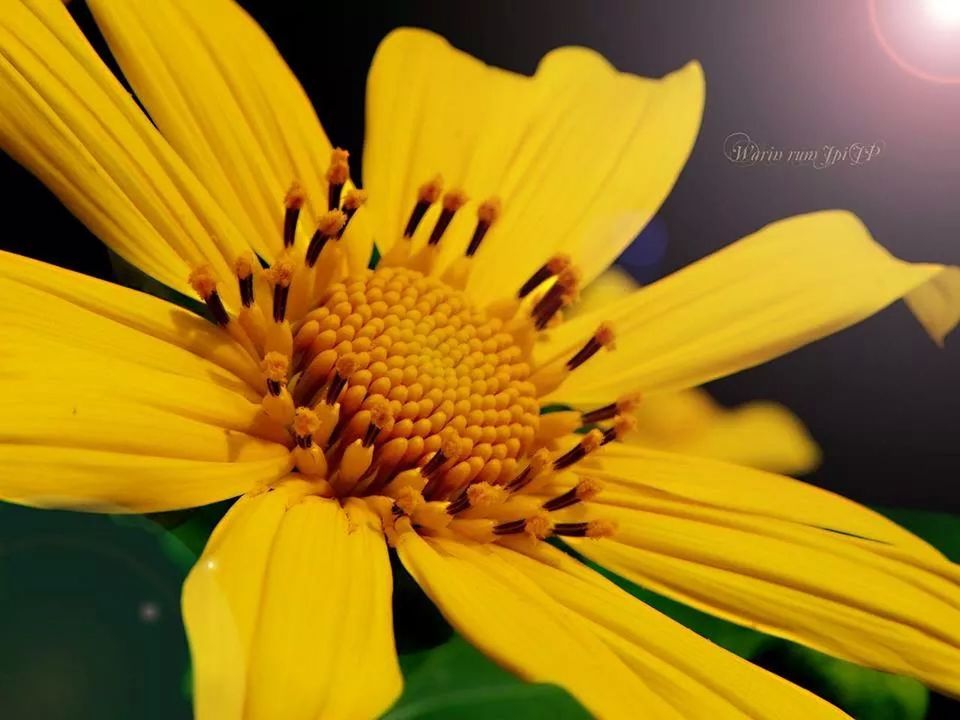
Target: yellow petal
x: 789, y: 284
x: 580, y: 155
x: 699, y: 679
x: 875, y: 599
x: 758, y: 434
x: 117, y: 401
x: 43, y: 304
x: 227, y: 102
x: 752, y: 492
x: 70, y: 122
x: 288, y: 612
x: 510, y: 618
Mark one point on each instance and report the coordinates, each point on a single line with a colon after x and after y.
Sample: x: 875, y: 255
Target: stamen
x: 622, y: 424
x: 337, y: 175
x: 428, y: 194
x: 554, y: 266
x: 380, y: 416
x: 585, y: 490
x: 591, y: 441
x: 305, y: 424
x: 205, y: 285
x: 487, y: 214
x: 452, y: 201
x: 592, y: 529
x: 293, y: 202
x: 331, y: 224
x: 624, y: 406
x: 243, y: 267
x: 560, y: 294
x: 345, y: 367
x: 275, y: 368
x: 479, y: 495
x: 280, y: 274
x: 603, y: 337
x: 538, y: 526
x: 407, y: 501
x: 351, y: 203
x: 540, y: 460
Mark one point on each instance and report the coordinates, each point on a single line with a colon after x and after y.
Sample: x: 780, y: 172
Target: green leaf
x: 863, y: 693
x: 455, y: 680
x: 942, y: 530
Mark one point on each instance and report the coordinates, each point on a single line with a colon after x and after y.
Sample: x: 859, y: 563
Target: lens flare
x: 945, y: 13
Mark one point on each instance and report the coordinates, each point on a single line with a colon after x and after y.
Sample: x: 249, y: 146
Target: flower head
x: 353, y: 407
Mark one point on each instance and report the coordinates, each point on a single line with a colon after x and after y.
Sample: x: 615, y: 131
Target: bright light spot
x: 149, y: 612
x: 211, y: 564
x: 944, y: 12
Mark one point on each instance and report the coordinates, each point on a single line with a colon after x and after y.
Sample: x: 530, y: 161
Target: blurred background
x: 87, y: 603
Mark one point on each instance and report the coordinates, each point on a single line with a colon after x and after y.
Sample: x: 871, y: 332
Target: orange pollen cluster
x: 390, y: 385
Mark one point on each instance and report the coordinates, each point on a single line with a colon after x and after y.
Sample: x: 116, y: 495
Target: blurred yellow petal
x: 759, y: 434
x: 227, y: 102
x: 791, y: 283
x: 696, y: 677
x: 580, y: 155
x: 288, y: 612
x: 612, y: 285
x: 937, y: 304
x: 68, y: 120
x: 508, y: 616
x: 863, y: 590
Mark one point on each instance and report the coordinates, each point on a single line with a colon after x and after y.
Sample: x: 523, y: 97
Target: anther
x: 428, y: 194
x: 331, y: 224
x: 205, y: 285
x: 602, y: 338
x: 539, y: 460
x: 293, y: 202
x: 622, y: 424
x: 351, y: 203
x: 585, y: 490
x: 280, y: 274
x: 305, y: 424
x: 345, y: 367
x: 452, y: 201
x: 380, y: 415
x: 624, y: 406
x: 243, y: 267
x: 337, y: 175
x: 487, y: 214
x: 561, y: 293
x: 538, y: 526
x: 275, y: 367
x: 590, y: 442
x: 479, y: 495
x: 591, y: 529
x: 553, y: 266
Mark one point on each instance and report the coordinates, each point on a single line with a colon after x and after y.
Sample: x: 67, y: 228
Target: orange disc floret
x: 601, y: 528
x: 454, y: 200
x: 489, y: 210
x: 305, y: 422
x: 330, y: 223
x: 275, y: 366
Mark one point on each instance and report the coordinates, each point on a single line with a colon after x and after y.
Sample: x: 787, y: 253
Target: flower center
x: 393, y: 387
x: 405, y: 372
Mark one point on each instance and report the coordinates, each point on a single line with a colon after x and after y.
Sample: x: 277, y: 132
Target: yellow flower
x: 406, y: 398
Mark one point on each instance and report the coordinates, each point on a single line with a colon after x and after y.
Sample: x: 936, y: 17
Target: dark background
x: 881, y: 399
